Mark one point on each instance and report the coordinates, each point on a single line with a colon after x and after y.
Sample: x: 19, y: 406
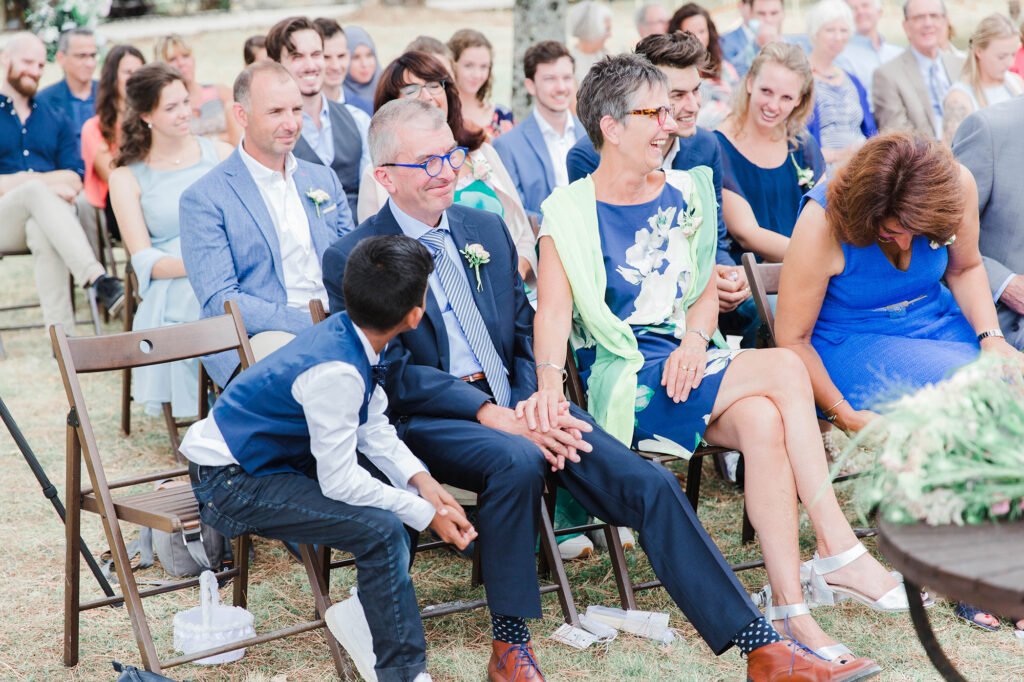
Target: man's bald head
x: 24, y: 42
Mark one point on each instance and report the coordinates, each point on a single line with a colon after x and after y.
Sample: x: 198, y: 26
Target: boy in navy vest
x: 278, y: 457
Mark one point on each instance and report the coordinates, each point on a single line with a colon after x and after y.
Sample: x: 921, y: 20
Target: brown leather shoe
x: 792, y: 662
x: 513, y: 663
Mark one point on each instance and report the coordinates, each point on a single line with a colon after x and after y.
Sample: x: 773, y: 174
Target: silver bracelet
x: 702, y: 334
x: 990, y: 332
x: 565, y: 374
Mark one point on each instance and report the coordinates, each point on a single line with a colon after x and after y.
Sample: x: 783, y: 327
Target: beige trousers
x: 33, y: 217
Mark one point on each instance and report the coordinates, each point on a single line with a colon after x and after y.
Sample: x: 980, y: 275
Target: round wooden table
x: 982, y: 565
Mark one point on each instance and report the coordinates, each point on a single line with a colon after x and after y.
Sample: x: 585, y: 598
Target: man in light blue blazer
x: 255, y: 228
x: 534, y: 151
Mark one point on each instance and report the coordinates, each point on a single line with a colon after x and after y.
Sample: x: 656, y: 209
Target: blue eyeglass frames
x: 435, y: 164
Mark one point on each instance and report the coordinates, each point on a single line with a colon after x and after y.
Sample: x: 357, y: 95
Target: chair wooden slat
x: 763, y: 279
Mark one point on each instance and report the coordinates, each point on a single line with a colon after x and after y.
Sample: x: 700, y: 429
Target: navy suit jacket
x: 526, y: 158
x: 418, y: 382
x: 231, y: 251
x: 698, y: 150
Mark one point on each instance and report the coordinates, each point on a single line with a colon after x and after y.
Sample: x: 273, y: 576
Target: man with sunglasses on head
x: 255, y: 227
x: 458, y: 387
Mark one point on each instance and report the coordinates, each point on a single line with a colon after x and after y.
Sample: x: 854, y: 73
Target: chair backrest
x: 764, y: 281
x: 87, y: 354
x: 316, y: 311
x: 574, y: 389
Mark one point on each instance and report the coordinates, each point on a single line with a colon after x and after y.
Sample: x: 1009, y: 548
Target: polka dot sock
x: 758, y: 634
x: 509, y: 629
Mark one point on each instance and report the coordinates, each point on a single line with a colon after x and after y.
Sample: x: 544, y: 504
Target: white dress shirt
x: 558, y: 145
x: 331, y: 395
x: 303, y: 278
x: 666, y: 163
x: 319, y: 133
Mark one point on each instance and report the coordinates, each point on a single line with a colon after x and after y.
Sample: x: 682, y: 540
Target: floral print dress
x: 647, y: 262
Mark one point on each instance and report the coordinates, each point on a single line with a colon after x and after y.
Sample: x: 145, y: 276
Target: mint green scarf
x: 570, y: 217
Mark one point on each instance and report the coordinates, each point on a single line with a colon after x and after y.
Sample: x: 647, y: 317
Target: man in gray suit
x: 909, y: 90
x: 330, y: 135
x: 989, y: 143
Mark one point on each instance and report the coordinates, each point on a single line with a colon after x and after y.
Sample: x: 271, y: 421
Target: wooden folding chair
x: 576, y: 393
x: 93, y: 305
x: 171, y: 510
x: 550, y: 562
x: 131, y: 304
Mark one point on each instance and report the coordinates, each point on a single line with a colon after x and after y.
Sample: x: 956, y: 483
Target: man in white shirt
x: 255, y: 227
x: 336, y: 60
x: 534, y: 151
x: 330, y: 134
x: 278, y: 456
x: 868, y: 49
x: 909, y: 90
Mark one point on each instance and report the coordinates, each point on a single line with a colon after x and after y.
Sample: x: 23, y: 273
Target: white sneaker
x: 423, y: 677
x: 347, y: 623
x: 575, y: 548
x: 626, y: 537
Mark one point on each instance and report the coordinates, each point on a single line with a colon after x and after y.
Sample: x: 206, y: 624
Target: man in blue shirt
x: 678, y: 56
x: 40, y: 174
x: 868, y: 49
x: 762, y: 23
x: 75, y: 96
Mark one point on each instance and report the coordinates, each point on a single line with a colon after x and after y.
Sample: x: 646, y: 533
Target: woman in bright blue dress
x: 159, y: 158
x: 861, y: 297
x: 768, y: 158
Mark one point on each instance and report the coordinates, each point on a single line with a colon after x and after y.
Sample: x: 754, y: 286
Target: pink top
x: 1018, y: 63
x: 92, y: 140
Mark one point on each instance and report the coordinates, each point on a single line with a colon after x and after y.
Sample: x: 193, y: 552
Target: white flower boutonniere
x: 481, y: 169
x: 318, y: 196
x: 804, y: 176
x: 476, y: 255
x: 689, y: 221
x: 935, y: 245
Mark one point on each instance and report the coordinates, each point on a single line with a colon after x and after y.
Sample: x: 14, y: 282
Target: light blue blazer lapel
x: 578, y: 128
x: 322, y: 237
x: 249, y: 196
x: 535, y: 138
x: 464, y: 233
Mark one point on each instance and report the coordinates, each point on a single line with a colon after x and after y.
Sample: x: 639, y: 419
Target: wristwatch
x: 990, y: 332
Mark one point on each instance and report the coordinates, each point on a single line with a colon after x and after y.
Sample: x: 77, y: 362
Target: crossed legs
x: 765, y: 409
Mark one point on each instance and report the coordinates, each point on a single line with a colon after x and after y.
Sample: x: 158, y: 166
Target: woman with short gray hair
x: 627, y: 270
x: 590, y: 23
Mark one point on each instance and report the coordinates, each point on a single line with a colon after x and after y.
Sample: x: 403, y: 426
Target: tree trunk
x: 533, y: 21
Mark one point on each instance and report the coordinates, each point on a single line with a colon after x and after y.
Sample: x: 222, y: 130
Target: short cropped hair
x: 609, y: 89
x: 385, y: 277
x: 900, y: 175
x: 674, y: 50
x: 253, y: 43
x: 381, y: 138
x: 587, y: 20
x: 906, y: 7
x: 825, y: 12
x: 279, y: 37
x: 64, y: 39
x: 544, y: 52
x: 243, y: 83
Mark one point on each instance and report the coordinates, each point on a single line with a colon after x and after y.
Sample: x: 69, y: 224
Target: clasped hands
x: 449, y: 522
x: 544, y: 419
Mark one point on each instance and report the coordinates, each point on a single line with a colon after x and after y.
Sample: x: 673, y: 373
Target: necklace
x: 164, y: 159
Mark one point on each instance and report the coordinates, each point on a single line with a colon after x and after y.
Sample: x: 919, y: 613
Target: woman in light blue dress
x: 159, y: 158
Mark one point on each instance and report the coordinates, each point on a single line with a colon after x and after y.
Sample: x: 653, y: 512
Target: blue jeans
x: 292, y: 508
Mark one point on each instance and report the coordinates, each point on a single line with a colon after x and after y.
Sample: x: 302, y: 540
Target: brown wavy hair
x: 900, y: 175
x: 713, y: 68
x: 108, y: 99
x: 429, y: 69
x: 793, y: 58
x: 465, y: 38
x: 143, y: 95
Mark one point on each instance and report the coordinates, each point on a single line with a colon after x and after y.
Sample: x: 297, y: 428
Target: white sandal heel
x: 826, y: 593
x: 773, y: 613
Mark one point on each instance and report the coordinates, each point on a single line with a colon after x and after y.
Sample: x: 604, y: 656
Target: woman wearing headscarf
x: 363, y: 69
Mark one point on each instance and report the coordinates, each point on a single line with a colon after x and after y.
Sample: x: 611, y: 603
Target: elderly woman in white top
x: 590, y: 23
x: 986, y: 78
x: 842, y: 118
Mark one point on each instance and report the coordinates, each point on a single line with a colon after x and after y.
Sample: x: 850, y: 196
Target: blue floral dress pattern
x: 649, y: 268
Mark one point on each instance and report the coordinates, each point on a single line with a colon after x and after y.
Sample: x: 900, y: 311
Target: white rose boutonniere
x: 318, y: 196
x: 804, y: 176
x: 476, y: 255
x: 935, y: 245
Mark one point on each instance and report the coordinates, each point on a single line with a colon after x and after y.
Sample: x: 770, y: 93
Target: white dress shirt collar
x: 261, y: 173
x: 558, y: 145
x: 371, y: 355
x: 413, y: 227
x: 666, y: 163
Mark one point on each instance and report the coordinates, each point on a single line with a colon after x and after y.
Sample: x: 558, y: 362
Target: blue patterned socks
x: 757, y: 634
x: 510, y: 629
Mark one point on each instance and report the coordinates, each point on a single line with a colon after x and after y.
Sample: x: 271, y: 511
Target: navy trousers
x: 612, y: 483
x: 291, y: 507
